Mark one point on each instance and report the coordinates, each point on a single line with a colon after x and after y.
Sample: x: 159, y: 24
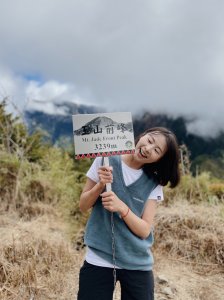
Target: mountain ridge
x: 59, y: 127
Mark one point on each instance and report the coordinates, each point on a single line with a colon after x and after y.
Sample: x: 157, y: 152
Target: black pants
x: 97, y: 283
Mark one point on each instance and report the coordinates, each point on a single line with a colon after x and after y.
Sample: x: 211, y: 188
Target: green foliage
x: 66, y: 183
x: 213, y: 165
x: 15, y: 139
x: 58, y: 169
x: 82, y: 165
x: 217, y: 189
x: 201, y: 188
x: 33, y: 172
x: 9, y: 167
x: 53, y: 180
x: 15, y: 175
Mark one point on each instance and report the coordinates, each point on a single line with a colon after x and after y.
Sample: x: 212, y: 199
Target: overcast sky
x: 162, y: 56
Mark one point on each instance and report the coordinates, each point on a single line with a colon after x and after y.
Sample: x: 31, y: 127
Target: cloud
x: 25, y: 94
x: 161, y: 56
x: 12, y: 86
x: 43, y: 97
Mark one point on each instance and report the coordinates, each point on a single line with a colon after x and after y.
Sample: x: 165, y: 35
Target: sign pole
x: 106, y: 163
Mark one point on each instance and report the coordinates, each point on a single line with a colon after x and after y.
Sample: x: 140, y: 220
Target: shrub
x: 15, y: 139
x: 193, y: 189
x: 217, y: 189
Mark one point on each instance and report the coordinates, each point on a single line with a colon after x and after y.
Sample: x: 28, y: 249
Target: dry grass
x: 40, y: 219
x: 36, y: 260
x: 185, y: 282
x: 193, y: 234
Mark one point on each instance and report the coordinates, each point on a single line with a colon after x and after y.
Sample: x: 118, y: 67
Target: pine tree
x: 15, y: 139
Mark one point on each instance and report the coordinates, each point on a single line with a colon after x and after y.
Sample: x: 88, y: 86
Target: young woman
x: 119, y: 232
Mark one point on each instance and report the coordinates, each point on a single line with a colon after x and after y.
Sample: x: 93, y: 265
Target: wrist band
x: 125, y: 215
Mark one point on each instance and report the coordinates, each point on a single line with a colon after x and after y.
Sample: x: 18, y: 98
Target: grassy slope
x: 40, y: 220
x: 39, y: 262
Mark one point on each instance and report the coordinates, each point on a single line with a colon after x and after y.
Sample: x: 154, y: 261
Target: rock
x: 173, y: 288
x: 167, y: 291
x: 161, y: 279
x: 160, y: 298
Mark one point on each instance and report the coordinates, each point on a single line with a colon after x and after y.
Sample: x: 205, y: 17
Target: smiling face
x: 150, y: 148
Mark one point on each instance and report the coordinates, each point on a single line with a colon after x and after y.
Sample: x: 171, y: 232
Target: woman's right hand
x: 105, y: 175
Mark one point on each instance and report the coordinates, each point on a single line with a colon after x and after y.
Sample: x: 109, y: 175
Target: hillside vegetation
x: 41, y: 227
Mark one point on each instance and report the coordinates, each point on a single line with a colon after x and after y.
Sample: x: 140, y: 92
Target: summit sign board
x: 103, y: 134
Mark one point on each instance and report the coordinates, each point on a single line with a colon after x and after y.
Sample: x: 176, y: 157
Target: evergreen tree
x: 15, y: 139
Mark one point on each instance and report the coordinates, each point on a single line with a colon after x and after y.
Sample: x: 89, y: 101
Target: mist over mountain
x: 198, y: 145
x: 58, y: 125
x: 59, y: 128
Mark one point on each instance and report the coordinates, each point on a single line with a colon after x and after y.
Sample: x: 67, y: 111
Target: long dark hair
x: 167, y: 168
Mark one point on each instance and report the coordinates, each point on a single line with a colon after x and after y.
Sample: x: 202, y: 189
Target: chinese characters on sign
x: 103, y: 134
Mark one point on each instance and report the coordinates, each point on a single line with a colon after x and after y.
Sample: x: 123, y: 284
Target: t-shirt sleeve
x: 157, y: 193
x: 92, y: 172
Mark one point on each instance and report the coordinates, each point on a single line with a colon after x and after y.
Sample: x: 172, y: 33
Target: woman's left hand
x: 112, y: 203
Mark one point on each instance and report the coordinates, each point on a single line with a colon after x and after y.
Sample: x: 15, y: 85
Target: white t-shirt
x: 130, y: 175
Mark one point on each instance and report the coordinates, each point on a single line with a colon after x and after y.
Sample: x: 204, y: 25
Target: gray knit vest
x: 132, y: 252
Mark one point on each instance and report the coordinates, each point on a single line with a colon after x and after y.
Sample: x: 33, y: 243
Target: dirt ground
x: 38, y: 262
x: 174, y: 280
